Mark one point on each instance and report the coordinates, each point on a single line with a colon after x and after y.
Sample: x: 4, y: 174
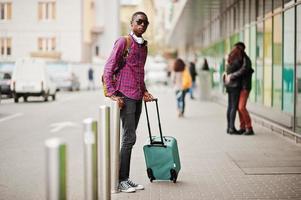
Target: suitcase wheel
x: 173, y: 175
x: 150, y: 174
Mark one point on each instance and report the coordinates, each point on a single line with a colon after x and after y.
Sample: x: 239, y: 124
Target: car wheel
x: 53, y: 97
x: 25, y: 98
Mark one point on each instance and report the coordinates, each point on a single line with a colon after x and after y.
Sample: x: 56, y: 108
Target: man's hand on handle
x: 148, y: 97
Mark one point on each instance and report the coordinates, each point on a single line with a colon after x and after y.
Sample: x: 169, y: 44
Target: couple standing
x: 238, y: 82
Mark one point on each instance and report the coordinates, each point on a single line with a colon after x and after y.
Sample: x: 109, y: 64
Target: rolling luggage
x: 161, y: 154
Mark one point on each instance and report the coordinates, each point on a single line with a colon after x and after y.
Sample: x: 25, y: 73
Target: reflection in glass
x: 277, y: 62
x: 246, y: 40
x: 268, y: 62
x: 259, y: 63
x: 298, y: 72
x: 268, y: 7
x: 288, y: 61
x: 260, y: 9
x: 252, y: 56
x: 277, y: 5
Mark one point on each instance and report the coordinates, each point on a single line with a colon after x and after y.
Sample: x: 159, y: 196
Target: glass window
x: 5, y: 46
x: 46, y: 44
x: 253, y: 59
x: 5, y: 11
x: 288, y: 60
x: 277, y: 62
x: 247, y: 11
x: 236, y: 16
x: 259, y: 63
x: 277, y: 5
x: 46, y: 10
x: 241, y: 13
x: 259, y: 8
x: 234, y: 39
x: 267, y: 62
x: 253, y: 10
x: 298, y: 72
x: 268, y: 7
x: 288, y: 2
x: 247, y: 40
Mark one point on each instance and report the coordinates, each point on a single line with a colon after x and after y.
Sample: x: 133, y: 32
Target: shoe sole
x: 127, y: 191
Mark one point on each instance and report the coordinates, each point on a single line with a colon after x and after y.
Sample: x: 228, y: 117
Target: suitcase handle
x: 148, y: 124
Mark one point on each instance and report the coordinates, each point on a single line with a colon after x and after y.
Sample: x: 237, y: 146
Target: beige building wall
x: 126, y: 12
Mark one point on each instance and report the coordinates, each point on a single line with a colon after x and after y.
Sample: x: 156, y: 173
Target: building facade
x: 271, y: 30
x: 63, y: 30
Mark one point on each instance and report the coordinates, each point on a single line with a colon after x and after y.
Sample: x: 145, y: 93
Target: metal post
x: 90, y: 159
x: 55, y: 169
x: 104, y: 165
x: 115, y: 145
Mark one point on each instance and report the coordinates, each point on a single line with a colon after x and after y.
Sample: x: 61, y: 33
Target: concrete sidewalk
x: 216, y: 165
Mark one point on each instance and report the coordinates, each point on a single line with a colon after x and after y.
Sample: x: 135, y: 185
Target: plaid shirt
x: 130, y: 79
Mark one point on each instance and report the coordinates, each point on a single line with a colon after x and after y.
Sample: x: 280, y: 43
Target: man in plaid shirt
x: 128, y: 89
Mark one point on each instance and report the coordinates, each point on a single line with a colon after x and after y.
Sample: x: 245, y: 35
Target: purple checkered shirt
x: 130, y: 79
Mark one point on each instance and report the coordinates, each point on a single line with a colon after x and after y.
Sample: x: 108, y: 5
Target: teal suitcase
x: 161, y: 154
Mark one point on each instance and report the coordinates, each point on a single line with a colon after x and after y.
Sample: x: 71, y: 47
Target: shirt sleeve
x: 112, y: 64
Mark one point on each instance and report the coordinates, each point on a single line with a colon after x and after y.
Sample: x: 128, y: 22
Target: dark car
x: 5, y: 80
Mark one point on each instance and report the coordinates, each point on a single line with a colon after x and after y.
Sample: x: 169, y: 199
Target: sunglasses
x: 140, y: 21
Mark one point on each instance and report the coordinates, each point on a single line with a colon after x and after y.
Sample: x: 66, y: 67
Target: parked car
x: 156, y: 71
x: 5, y: 82
x: 63, y: 76
x: 30, y: 78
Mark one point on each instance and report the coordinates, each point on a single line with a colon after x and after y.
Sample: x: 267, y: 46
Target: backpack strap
x: 125, y: 54
x: 127, y: 46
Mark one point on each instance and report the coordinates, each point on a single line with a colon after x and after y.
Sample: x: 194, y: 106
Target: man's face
x: 139, y: 24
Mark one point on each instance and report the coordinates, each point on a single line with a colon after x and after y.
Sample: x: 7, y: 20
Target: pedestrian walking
x: 91, y: 84
x: 205, y: 65
x: 233, y: 86
x: 193, y: 74
x: 127, y: 87
x: 182, y: 82
x: 245, y: 74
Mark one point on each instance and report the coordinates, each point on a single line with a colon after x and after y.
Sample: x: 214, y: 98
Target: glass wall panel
x: 277, y: 62
x: 267, y: 62
x: 253, y: 10
x: 253, y: 59
x: 259, y: 8
x: 259, y: 63
x: 234, y: 39
x: 288, y: 2
x: 247, y: 11
x: 298, y: 72
x: 247, y: 40
x: 277, y: 5
x: 268, y: 7
x: 288, y: 61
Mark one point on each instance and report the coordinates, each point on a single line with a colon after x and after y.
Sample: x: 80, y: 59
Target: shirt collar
x: 139, y: 40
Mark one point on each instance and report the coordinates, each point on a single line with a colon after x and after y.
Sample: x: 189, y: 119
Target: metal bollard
x: 56, y: 169
x: 115, y: 145
x: 104, y: 165
x: 90, y: 159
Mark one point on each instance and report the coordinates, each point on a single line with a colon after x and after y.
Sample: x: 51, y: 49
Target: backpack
x: 186, y: 80
x: 121, y: 64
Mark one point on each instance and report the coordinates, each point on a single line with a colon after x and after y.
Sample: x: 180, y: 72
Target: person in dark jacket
x: 233, y: 86
x: 244, y: 74
x: 193, y: 74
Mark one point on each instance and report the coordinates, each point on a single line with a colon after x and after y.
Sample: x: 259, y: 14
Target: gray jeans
x: 130, y: 115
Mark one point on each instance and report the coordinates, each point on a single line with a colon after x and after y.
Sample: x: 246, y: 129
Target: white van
x: 30, y: 78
